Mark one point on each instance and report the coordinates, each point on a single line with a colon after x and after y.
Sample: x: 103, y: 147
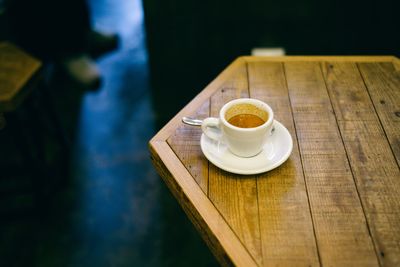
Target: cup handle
x: 212, y: 129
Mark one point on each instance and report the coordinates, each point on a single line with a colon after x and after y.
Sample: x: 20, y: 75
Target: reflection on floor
x: 115, y: 211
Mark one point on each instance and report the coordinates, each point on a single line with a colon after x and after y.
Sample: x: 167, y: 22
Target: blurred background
x: 77, y: 187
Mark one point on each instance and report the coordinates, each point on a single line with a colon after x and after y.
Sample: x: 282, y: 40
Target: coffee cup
x: 244, y: 125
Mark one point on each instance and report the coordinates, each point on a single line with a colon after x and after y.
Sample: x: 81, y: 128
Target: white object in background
x: 268, y: 51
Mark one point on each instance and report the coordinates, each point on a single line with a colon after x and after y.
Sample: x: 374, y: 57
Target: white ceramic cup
x: 243, y: 142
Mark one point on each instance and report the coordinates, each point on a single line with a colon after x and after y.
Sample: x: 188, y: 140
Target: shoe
x: 101, y: 43
x: 83, y: 71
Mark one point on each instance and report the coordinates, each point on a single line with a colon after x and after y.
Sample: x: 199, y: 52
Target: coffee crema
x: 246, y: 121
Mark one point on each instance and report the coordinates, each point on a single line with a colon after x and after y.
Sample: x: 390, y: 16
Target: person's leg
x: 60, y: 31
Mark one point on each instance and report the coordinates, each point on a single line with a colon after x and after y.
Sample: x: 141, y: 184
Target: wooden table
x: 335, y: 201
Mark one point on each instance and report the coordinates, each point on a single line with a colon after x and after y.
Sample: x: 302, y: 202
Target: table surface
x: 335, y: 201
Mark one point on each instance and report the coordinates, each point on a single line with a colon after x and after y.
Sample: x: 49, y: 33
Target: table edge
x: 214, y: 229
x: 376, y: 58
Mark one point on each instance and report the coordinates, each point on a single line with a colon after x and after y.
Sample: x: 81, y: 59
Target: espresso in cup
x: 244, y: 125
x: 246, y: 116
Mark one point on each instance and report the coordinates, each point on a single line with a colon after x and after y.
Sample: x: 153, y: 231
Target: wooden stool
x: 25, y: 124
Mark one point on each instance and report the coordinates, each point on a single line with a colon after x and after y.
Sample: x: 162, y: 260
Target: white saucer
x: 275, y: 152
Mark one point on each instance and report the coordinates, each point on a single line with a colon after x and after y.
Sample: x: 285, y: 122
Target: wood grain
x: 382, y: 81
x: 285, y: 221
x: 372, y: 162
x: 235, y: 196
x: 185, y: 143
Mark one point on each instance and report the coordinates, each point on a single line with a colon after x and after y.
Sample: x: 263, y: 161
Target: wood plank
x: 285, y: 221
x: 340, y: 226
x: 233, y: 195
x: 222, y: 241
x: 372, y: 162
x: 185, y: 142
x: 383, y: 84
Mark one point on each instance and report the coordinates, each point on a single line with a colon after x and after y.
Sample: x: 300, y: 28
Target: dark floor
x: 115, y: 210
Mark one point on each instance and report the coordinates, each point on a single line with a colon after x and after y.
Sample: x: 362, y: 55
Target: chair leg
x: 54, y: 118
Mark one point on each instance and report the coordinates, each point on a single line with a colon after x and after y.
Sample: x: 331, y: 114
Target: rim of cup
x: 253, y: 101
